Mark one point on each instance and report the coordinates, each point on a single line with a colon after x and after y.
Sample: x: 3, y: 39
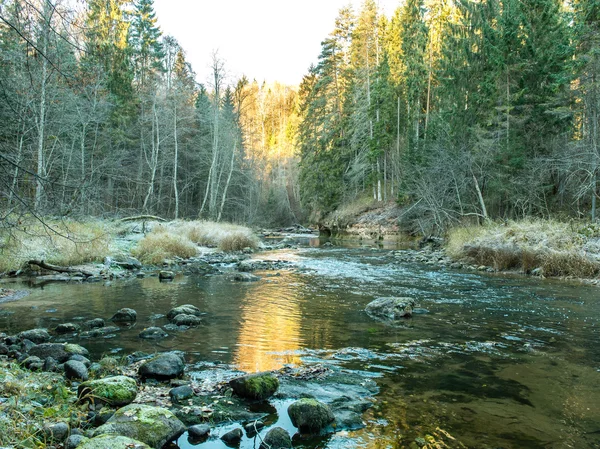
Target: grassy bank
x: 544, y: 247
x: 72, y: 243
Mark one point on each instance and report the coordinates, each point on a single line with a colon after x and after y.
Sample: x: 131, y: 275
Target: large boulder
x: 76, y: 370
x: 310, y: 415
x: 186, y: 309
x: 125, y: 315
x: 54, y: 350
x: 276, y: 438
x: 390, y: 309
x: 186, y: 320
x: 162, y: 367
x: 255, y: 386
x: 115, y: 391
x: 154, y: 426
x: 35, y: 335
x: 112, y: 442
x: 74, y: 349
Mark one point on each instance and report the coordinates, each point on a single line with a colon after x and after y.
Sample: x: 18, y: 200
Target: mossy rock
x: 71, y: 348
x: 255, y: 386
x: 310, y: 415
x: 112, y: 442
x: 277, y: 437
x: 154, y: 426
x: 117, y: 390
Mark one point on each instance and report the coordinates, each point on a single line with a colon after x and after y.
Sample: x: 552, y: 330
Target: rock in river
x: 112, y: 442
x: 164, y: 366
x: 310, y: 415
x: 186, y: 309
x: 186, y: 320
x: 390, y: 308
x: 35, y: 335
x: 116, y: 391
x: 277, y: 437
x: 199, y: 432
x: 66, y: 328
x: 125, y: 315
x: 233, y: 437
x: 153, y: 333
x: 154, y: 426
x: 76, y: 370
x: 54, y: 350
x: 255, y: 386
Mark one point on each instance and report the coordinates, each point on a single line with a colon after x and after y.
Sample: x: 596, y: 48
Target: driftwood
x: 47, y: 266
x: 142, y: 217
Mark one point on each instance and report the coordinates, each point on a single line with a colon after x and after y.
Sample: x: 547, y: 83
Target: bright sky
x: 266, y: 40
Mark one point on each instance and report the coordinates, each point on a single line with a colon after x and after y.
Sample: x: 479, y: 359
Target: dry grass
x: 64, y: 242
x: 556, y: 248
x: 158, y: 246
x: 237, y: 241
x: 347, y: 213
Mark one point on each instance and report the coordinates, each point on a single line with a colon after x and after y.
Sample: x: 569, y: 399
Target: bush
x: 160, y: 245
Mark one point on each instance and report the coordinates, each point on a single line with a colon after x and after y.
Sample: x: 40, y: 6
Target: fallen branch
x: 142, y: 217
x: 47, y: 266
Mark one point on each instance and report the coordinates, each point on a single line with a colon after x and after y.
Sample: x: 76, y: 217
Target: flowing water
x: 496, y: 362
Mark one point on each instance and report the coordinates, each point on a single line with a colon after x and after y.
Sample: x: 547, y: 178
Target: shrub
x: 158, y: 246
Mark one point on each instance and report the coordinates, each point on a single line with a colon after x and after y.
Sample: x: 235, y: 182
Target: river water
x: 496, y: 362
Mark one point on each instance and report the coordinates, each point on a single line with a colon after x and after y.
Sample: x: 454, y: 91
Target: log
x: 47, y: 266
x: 142, y: 217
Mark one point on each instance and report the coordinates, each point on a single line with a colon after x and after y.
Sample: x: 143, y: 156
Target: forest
x: 458, y: 110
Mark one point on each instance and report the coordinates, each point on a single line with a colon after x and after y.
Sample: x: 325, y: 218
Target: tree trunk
x: 175, y: 162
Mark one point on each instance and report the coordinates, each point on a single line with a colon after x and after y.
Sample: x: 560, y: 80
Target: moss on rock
x: 310, y: 415
x: 255, y: 386
x: 117, y: 390
x: 112, y: 442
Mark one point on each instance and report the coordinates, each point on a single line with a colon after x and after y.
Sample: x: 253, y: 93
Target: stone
x: 54, y: 350
x: 50, y: 365
x: 233, y: 437
x: 33, y: 363
x: 35, y: 335
x: 75, y: 370
x: 245, y: 277
x: 276, y: 438
x: 186, y: 320
x: 390, y: 308
x: 310, y: 415
x: 112, y: 442
x: 153, y: 426
x: 153, y: 333
x: 26, y: 345
x: 258, y: 386
x: 125, y: 315
x: 3, y: 349
x: 182, y: 393
x: 82, y: 359
x: 66, y: 328
x: 162, y: 367
x: 94, y: 324
x: 187, y: 309
x: 100, y: 332
x: 166, y: 275
x: 252, y: 428
x: 57, y: 432
x: 115, y: 391
x: 129, y: 263
x: 74, y: 349
x: 74, y: 441
x: 199, y: 432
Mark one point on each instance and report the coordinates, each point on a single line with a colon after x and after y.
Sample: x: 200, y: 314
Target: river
x: 495, y: 361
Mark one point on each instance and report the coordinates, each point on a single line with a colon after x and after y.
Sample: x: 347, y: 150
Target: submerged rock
x: 255, y: 386
x: 233, y: 437
x: 186, y: 320
x: 186, y: 309
x: 112, y: 442
x: 310, y: 415
x: 66, y: 328
x: 163, y: 367
x: 275, y: 438
x: 94, y: 324
x: 390, y: 308
x: 154, y: 426
x: 252, y: 428
x: 116, y: 391
x: 153, y: 333
x: 245, y: 277
x: 124, y: 315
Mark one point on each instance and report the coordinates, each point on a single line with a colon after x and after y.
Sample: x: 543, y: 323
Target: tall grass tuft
x: 160, y: 245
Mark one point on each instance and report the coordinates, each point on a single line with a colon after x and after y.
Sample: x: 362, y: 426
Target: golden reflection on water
x: 270, y: 329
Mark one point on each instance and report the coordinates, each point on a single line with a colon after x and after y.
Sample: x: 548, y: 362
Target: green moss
x: 310, y: 415
x: 255, y: 386
x: 112, y: 442
x: 76, y: 349
x: 118, y: 390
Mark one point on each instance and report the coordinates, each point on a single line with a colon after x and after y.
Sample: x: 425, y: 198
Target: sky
x: 266, y: 40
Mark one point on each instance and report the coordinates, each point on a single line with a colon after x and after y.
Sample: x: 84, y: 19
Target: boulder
x: 50, y: 365
x: 252, y: 428
x: 310, y: 415
x: 35, y: 335
x: 129, y: 263
x: 57, y: 432
x: 166, y: 276
x: 74, y: 349
x: 182, y: 393
x: 74, y: 441
x: 199, y: 432
x: 124, y: 315
x: 255, y: 386
x: 33, y: 363
x: 75, y: 370
x: 187, y: 309
x: 112, y: 442
x: 153, y: 333
x: 153, y: 426
x: 233, y: 437
x: 54, y: 350
x: 186, y: 320
x: 162, y: 367
x: 94, y: 324
x: 390, y: 308
x: 115, y: 391
x: 276, y: 438
x: 66, y: 328
x: 82, y: 359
